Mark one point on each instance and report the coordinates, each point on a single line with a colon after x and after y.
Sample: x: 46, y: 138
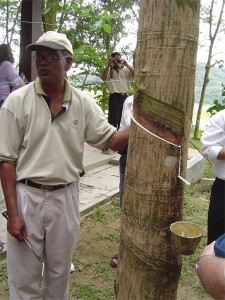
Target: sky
x: 202, y: 55
x: 218, y: 50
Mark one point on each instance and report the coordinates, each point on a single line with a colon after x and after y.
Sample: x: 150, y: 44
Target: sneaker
x: 72, y: 268
x: 114, y: 261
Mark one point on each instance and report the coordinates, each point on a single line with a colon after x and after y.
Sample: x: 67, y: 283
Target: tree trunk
x: 165, y: 63
x: 202, y: 97
x: 30, y: 32
x: 49, y: 18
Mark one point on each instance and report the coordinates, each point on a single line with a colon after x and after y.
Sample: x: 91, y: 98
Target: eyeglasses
x: 50, y: 58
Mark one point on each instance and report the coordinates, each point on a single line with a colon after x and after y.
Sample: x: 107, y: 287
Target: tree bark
x: 165, y: 64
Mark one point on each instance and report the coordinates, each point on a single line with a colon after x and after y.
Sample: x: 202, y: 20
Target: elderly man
x: 43, y: 127
x: 211, y: 268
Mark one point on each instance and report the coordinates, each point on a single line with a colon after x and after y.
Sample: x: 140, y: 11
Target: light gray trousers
x: 53, y: 222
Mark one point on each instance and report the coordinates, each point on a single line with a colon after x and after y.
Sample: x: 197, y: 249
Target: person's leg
x: 120, y: 103
x: 112, y: 111
x: 24, y: 271
x: 216, y: 212
x: 116, y: 102
x: 62, y: 229
x: 23, y: 268
x: 122, y: 166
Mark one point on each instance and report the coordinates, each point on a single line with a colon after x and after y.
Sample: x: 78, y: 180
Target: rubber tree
x: 165, y: 64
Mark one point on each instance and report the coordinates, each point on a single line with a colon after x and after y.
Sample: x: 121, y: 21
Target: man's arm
x: 120, y: 139
x: 131, y: 69
x: 106, y: 70
x: 16, y: 225
x: 221, y: 154
x: 211, y: 271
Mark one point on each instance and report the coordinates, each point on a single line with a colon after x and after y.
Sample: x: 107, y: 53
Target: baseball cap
x: 53, y: 40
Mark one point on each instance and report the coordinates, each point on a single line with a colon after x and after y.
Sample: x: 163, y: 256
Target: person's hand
x: 23, y: 77
x: 110, y: 61
x: 209, y: 249
x: 124, y: 62
x: 17, y: 227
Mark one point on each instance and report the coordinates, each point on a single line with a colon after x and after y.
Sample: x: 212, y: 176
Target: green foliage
x: 97, y: 28
x: 99, y: 214
x: 218, y: 105
x: 195, y: 210
x: 88, y: 291
x: 216, y: 78
x: 195, y: 143
x: 110, y: 237
x: 102, y: 23
x: 3, y: 279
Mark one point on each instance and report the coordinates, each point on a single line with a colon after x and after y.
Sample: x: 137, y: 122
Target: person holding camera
x: 118, y: 72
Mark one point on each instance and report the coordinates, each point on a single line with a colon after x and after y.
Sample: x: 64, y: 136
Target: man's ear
x: 69, y: 62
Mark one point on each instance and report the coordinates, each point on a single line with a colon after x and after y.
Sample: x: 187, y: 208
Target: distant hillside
x: 214, y: 88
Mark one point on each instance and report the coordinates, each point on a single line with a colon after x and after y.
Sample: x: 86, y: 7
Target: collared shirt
x: 127, y: 112
x: 46, y: 150
x: 213, y: 140
x: 120, y: 83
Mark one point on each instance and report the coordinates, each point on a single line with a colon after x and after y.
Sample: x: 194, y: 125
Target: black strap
x: 43, y: 187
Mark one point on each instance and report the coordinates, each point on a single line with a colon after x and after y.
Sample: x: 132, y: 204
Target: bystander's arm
x: 106, y: 70
x: 221, y: 154
x: 211, y: 271
x: 131, y: 69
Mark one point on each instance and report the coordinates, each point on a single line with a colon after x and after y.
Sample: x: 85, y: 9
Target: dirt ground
x: 99, y: 240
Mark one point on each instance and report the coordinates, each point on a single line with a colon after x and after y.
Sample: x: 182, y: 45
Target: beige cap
x: 53, y: 40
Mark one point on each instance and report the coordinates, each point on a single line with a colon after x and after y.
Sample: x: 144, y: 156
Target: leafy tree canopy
x: 93, y: 27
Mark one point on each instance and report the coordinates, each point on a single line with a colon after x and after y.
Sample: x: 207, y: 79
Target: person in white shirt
x: 119, y: 73
x: 213, y: 148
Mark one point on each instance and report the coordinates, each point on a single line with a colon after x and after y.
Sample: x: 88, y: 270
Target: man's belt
x: 43, y: 187
x: 123, y: 94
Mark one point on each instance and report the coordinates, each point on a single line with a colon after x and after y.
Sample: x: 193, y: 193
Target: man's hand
x: 17, y: 227
x: 209, y: 249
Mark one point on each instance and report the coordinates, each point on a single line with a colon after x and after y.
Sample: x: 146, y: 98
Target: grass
x: 195, y: 210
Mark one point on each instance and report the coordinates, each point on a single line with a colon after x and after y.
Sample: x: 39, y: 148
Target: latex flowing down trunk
x: 165, y: 62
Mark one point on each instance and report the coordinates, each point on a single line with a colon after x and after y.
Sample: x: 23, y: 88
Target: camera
x: 117, y: 60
